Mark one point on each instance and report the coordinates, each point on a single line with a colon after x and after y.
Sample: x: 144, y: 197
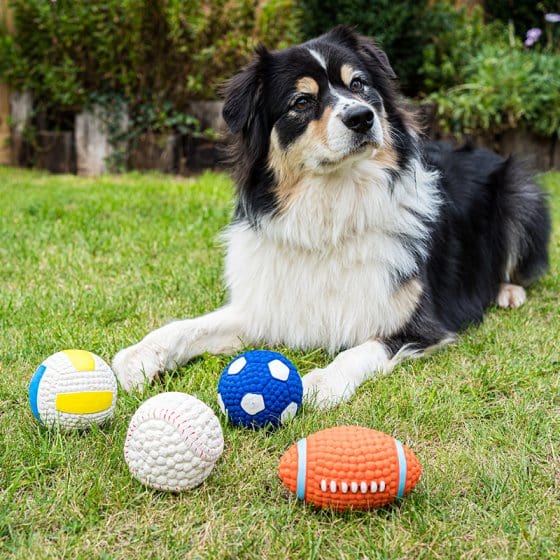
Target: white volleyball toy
x: 73, y: 389
x: 173, y: 442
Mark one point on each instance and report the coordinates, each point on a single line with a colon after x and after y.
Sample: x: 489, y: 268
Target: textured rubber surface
x: 73, y: 389
x: 260, y: 388
x: 173, y: 442
x: 349, y: 467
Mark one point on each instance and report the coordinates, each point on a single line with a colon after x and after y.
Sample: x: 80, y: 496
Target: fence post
x: 5, y: 151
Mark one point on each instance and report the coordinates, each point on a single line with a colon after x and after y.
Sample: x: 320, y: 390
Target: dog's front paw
x: 137, y: 365
x: 326, y: 388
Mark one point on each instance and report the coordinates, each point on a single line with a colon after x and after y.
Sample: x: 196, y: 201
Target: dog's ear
x: 371, y: 51
x: 243, y: 93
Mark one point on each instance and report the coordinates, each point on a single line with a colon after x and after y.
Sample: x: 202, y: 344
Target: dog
x: 351, y: 233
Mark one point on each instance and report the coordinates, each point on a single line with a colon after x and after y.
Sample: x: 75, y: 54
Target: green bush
x: 216, y: 39
x: 504, y: 88
x: 483, y: 79
x: 147, y: 51
x: 61, y: 50
x: 459, y: 37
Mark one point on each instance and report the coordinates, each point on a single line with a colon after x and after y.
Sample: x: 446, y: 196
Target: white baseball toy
x: 73, y: 389
x: 173, y: 442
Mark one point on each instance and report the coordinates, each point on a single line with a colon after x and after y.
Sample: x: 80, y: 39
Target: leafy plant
x: 62, y: 50
x: 458, y: 36
x: 504, y: 88
x: 216, y: 39
x: 158, y: 118
x: 153, y: 51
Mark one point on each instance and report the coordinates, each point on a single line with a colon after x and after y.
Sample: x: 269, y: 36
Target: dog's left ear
x: 370, y: 50
x: 243, y: 94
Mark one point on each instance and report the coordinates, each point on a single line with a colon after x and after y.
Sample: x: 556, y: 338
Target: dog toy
x: 260, y: 388
x: 173, y: 442
x: 73, y: 389
x: 349, y: 467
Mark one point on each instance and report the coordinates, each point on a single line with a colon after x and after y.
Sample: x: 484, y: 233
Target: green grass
x: 97, y: 263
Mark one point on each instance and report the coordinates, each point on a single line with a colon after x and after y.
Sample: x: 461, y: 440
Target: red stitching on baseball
x: 190, y: 438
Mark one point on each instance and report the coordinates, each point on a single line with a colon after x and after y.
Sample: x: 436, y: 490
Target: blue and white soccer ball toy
x: 260, y: 388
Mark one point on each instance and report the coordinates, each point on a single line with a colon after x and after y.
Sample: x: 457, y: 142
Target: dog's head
x: 313, y: 109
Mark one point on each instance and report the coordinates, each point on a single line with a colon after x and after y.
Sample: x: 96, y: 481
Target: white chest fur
x: 325, y: 272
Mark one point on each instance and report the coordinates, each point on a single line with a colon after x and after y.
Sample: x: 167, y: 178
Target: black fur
x: 491, y: 206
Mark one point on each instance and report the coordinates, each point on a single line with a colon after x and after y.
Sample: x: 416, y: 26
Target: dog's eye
x: 357, y: 84
x: 301, y: 103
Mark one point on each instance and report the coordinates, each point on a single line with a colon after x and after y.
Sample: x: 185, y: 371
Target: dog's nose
x: 358, y: 119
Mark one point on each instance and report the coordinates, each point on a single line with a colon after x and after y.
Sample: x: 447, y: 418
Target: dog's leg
x: 176, y: 343
x: 511, y: 296
x: 337, y: 382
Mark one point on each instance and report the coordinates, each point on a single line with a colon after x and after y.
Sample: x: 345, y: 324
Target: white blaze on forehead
x: 318, y: 57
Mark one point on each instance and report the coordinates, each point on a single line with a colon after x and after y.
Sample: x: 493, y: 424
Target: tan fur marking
x: 307, y: 85
x: 278, y: 162
x: 346, y: 73
x: 386, y: 156
x: 411, y: 120
x: 406, y: 298
x: 287, y: 165
x: 318, y: 129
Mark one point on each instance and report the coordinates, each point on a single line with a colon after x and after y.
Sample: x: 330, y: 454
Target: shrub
x: 504, y: 88
x: 61, y: 50
x: 216, y: 39
x: 458, y: 36
x: 148, y: 51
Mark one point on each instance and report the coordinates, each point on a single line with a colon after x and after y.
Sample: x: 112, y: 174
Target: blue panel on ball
x: 261, y: 376
x: 34, y: 390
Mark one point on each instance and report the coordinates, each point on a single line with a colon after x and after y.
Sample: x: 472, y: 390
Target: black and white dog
x: 350, y: 233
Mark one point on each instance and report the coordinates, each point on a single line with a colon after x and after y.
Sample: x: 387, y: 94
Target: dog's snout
x: 358, y: 119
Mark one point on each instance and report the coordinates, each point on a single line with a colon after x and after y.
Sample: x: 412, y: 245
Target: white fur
x: 319, y: 275
x: 318, y: 57
x: 339, y: 380
x: 322, y: 274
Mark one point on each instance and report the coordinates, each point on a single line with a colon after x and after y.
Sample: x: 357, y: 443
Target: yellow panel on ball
x: 88, y: 402
x: 82, y: 360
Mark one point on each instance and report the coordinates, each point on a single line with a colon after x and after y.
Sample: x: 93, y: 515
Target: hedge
x: 156, y: 56
x: 144, y: 50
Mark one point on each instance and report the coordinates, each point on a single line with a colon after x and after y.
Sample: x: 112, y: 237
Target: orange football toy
x: 349, y: 467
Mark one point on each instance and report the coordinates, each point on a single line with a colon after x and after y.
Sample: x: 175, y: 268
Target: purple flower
x: 533, y: 36
x: 552, y: 18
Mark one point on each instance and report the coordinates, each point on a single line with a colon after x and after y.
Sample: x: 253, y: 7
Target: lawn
x: 97, y: 263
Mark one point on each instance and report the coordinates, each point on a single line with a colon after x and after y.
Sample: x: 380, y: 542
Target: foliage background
x: 162, y: 53
x: 156, y: 56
